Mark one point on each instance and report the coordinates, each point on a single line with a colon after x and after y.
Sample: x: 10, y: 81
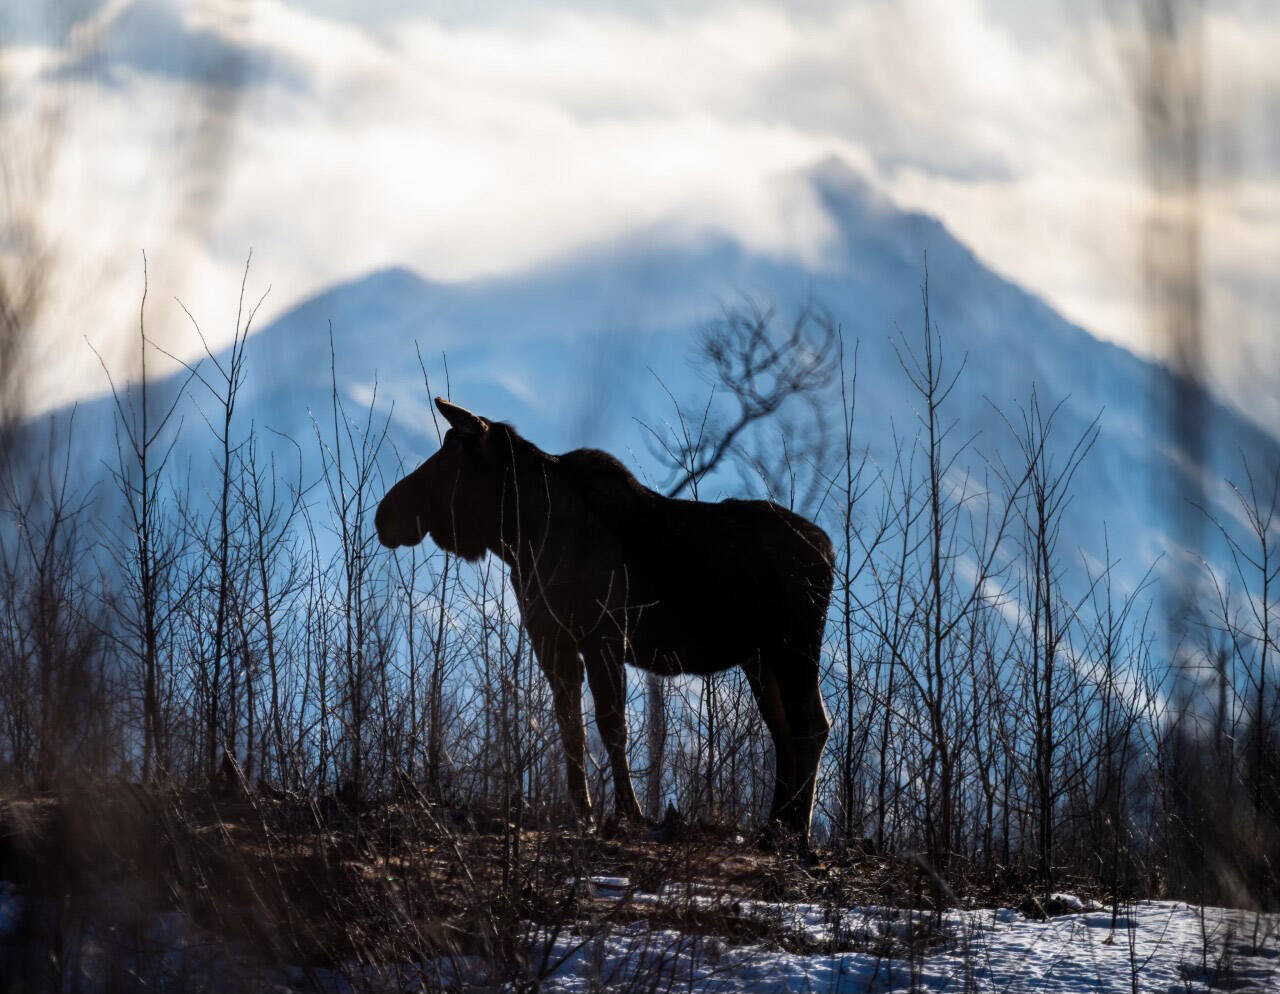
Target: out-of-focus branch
x: 29, y: 138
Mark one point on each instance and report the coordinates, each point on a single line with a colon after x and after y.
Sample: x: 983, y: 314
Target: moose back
x: 607, y: 572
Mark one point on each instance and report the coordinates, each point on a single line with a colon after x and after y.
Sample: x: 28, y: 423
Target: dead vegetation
x: 313, y: 885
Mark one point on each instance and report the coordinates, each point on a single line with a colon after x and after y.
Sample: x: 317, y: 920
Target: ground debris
x: 307, y: 888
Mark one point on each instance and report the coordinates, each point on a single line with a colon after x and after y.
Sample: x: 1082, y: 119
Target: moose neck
x: 530, y: 495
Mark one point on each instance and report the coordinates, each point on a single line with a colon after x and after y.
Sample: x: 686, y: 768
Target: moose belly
x: 700, y: 628
x: 702, y: 588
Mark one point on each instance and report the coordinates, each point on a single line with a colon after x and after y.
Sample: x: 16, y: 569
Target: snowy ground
x: 1155, y: 946
x: 997, y: 951
x: 1158, y: 946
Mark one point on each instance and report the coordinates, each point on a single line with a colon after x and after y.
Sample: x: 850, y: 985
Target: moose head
x: 453, y: 496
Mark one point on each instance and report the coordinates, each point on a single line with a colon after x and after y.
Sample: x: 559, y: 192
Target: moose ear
x: 460, y: 419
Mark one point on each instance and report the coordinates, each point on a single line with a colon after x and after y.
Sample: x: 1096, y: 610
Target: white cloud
x: 478, y: 149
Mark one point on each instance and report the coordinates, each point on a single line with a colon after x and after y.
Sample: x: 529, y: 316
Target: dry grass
x: 310, y: 884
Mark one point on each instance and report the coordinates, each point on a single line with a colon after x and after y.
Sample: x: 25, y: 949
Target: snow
x: 600, y: 886
x: 1154, y: 946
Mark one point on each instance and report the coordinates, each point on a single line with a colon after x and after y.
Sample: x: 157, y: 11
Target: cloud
x: 488, y: 145
x: 152, y: 37
x: 42, y: 23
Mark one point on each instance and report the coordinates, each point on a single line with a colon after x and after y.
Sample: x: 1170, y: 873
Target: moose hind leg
x: 810, y: 726
x: 608, y: 679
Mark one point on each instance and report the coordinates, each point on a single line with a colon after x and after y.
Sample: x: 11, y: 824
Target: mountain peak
x: 834, y: 172
x: 842, y: 188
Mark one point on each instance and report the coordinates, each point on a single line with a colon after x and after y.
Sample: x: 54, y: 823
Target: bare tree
x: 351, y: 453
x: 1049, y: 615
x: 271, y: 509
x: 758, y: 369
x: 861, y: 706
x: 56, y: 698
x: 149, y: 559
x: 964, y: 527
x: 223, y: 381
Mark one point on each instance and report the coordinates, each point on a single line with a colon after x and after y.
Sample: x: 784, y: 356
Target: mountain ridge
x: 570, y: 352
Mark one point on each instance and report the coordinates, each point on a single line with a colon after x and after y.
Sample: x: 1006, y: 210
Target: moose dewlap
x: 607, y: 572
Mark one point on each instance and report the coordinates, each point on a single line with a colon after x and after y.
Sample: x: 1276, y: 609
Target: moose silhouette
x: 607, y: 572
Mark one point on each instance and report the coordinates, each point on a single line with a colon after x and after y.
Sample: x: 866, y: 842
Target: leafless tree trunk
x: 222, y: 378
x: 1050, y: 616
x: 155, y: 548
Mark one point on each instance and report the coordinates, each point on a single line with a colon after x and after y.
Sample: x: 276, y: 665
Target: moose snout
x: 399, y: 519
x: 382, y: 522
x: 380, y: 517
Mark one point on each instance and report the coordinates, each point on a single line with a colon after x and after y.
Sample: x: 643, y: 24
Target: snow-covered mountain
x: 574, y: 353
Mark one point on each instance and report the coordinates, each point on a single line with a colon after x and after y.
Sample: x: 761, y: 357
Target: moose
x: 608, y: 572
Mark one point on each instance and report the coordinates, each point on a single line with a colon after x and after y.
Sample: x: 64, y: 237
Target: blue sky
x: 464, y: 140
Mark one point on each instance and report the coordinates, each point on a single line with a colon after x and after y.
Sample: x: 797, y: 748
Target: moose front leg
x: 768, y: 695
x: 608, y: 680
x: 563, y: 667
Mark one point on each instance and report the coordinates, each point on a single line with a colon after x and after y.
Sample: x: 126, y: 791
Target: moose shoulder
x: 609, y: 572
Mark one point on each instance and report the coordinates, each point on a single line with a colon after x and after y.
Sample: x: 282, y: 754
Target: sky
x: 333, y: 137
